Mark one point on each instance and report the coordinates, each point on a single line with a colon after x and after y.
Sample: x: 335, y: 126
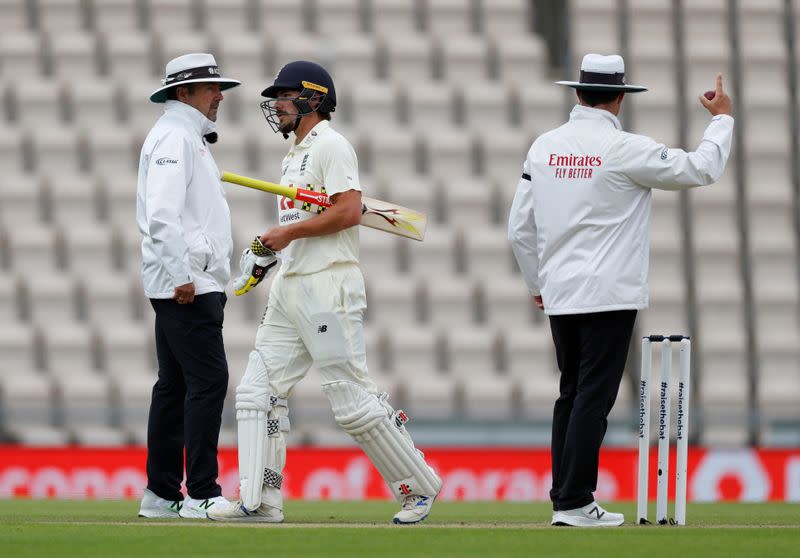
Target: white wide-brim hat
x: 191, y: 68
x: 603, y: 73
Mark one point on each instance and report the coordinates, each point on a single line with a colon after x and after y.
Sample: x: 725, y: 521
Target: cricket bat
x: 376, y: 214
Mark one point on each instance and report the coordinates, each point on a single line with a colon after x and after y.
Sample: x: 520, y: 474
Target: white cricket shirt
x: 324, y: 161
x: 181, y: 208
x: 580, y: 221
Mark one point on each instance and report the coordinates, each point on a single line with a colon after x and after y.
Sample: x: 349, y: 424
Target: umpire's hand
x: 184, y: 294
x: 720, y: 103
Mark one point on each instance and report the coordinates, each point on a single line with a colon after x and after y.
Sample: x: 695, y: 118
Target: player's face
x: 205, y: 97
x: 286, y: 110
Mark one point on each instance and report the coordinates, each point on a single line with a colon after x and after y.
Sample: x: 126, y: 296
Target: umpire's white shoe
x: 415, y: 509
x: 238, y: 513
x: 590, y: 515
x: 198, y: 509
x: 154, y: 506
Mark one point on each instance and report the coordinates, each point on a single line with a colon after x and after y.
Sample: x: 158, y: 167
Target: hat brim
x: 160, y: 95
x: 603, y: 87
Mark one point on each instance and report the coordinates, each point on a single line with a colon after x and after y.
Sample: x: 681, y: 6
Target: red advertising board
x: 346, y: 474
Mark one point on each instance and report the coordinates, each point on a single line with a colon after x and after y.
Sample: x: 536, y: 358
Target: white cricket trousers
x: 315, y: 319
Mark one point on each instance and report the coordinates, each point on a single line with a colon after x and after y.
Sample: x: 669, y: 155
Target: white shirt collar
x: 312, y: 134
x: 580, y: 112
x: 196, y: 119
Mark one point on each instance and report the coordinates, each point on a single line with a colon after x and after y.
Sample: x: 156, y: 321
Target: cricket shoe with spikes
x: 153, y: 506
x: 590, y: 515
x: 236, y: 512
x: 415, y: 509
x: 193, y: 508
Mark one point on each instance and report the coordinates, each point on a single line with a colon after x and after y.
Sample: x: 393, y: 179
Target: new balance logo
x: 322, y: 329
x: 596, y: 510
x: 206, y: 505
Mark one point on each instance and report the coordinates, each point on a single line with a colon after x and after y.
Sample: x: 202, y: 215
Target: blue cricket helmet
x: 304, y: 75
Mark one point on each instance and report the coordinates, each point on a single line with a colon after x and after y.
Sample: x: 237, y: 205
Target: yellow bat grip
x: 263, y: 185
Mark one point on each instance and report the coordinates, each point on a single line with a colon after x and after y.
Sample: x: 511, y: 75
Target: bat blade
x: 376, y: 214
x: 393, y: 218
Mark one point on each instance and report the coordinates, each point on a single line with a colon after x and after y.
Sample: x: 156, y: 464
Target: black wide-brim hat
x: 603, y: 73
x: 191, y: 68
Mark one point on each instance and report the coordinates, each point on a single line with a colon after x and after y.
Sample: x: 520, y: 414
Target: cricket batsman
x: 315, y: 315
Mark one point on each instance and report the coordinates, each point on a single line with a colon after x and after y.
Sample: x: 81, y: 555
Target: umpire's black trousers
x: 591, y: 350
x: 186, y: 408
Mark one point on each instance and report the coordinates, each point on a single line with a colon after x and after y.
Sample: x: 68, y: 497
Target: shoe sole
x: 579, y: 522
x: 247, y: 519
x: 158, y: 515
x: 193, y: 515
x: 399, y: 522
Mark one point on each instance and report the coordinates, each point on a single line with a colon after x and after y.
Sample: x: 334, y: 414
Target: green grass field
x: 347, y: 529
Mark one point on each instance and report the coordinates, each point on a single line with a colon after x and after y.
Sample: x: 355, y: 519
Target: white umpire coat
x: 181, y: 208
x: 579, y: 225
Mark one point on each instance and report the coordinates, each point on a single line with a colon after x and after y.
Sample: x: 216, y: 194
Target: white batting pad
x: 251, y: 427
x: 369, y: 420
x: 262, y: 448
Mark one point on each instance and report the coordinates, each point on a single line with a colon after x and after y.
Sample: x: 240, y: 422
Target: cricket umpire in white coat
x: 186, y: 248
x: 315, y: 315
x: 580, y: 230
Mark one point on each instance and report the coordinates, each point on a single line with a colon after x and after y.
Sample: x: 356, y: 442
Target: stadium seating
x: 441, y: 101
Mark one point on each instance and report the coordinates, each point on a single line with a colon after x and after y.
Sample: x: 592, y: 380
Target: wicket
x: 682, y: 424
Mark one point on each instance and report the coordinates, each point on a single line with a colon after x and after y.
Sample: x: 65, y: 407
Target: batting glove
x: 255, y: 263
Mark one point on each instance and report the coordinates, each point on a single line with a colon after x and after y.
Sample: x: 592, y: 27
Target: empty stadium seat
x: 450, y: 301
x: 450, y: 154
x: 29, y: 408
x: 465, y: 58
x: 72, y: 198
x: 38, y: 104
x: 72, y: 56
x: 172, y: 16
x: 22, y: 54
x: 116, y: 15
x: 408, y: 57
x: 14, y: 15
x: 430, y: 104
x: 392, y: 152
x: 134, y: 392
x: 131, y: 53
x: 94, y: 104
x: 393, y: 16
x: 243, y: 56
x: 62, y: 15
x: 19, y: 344
x: 369, y: 103
x: 283, y: 16
x: 340, y: 18
x: 22, y: 199
x: 392, y: 298
x: 487, y: 105
x: 233, y: 17
x: 36, y: 246
x: 69, y: 348
x: 60, y: 148
x: 504, y: 18
x: 49, y: 301
x: 437, y: 255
